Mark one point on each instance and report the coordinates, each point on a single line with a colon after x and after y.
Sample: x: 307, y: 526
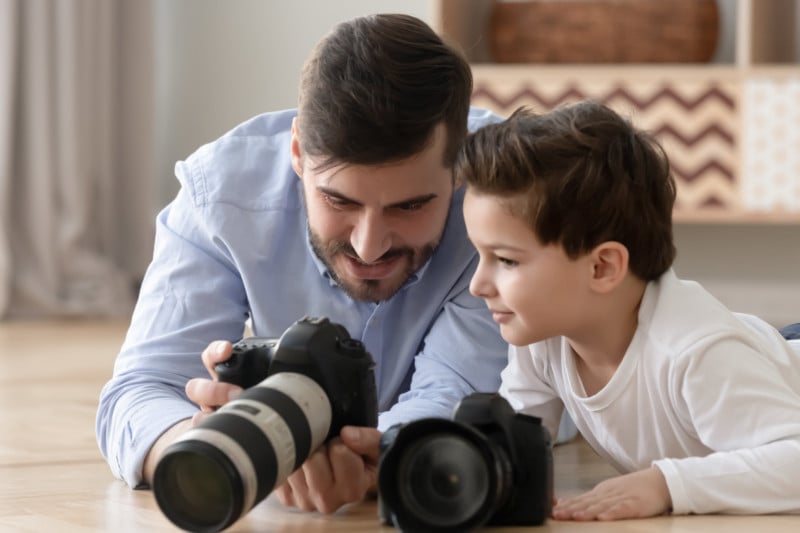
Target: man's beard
x: 370, y: 290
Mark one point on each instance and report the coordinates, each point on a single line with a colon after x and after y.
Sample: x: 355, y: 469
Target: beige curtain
x: 76, y: 155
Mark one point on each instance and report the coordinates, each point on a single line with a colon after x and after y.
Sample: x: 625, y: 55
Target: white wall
x: 220, y: 62
x: 753, y: 269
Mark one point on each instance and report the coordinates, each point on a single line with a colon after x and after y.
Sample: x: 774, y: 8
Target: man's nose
x: 371, y: 236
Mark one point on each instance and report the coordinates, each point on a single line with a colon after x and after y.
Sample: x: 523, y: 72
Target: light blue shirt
x: 233, y: 246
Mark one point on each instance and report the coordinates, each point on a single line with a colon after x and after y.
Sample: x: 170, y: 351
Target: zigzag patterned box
x: 696, y: 118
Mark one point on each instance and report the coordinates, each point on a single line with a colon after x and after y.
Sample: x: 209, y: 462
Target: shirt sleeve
x: 174, y: 320
x: 463, y: 353
x: 525, y: 384
x: 740, y: 404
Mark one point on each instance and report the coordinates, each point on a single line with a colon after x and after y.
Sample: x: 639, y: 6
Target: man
x: 347, y: 209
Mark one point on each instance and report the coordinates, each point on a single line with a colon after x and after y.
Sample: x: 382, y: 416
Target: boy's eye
x: 506, y: 261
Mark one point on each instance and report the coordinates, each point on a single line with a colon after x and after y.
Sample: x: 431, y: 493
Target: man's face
x: 374, y: 226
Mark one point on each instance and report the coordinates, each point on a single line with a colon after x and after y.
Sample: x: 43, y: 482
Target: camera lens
x: 202, y: 493
x: 443, y: 479
x: 439, y: 475
x: 235, y: 457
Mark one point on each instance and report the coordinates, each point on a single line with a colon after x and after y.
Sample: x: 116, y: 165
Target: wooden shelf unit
x: 732, y: 129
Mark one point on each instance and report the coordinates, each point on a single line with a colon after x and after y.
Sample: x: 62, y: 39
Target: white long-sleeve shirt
x: 711, y: 397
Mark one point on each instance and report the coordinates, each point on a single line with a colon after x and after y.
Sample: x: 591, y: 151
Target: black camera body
x: 300, y: 390
x: 321, y: 350
x: 488, y: 465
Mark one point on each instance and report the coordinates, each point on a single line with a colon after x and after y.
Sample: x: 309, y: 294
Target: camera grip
x: 249, y: 362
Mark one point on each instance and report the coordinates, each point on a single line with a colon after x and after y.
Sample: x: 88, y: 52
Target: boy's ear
x: 609, y: 263
x: 297, y: 154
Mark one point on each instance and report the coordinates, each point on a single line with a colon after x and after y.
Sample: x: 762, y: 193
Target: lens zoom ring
x: 255, y: 444
x: 291, y: 414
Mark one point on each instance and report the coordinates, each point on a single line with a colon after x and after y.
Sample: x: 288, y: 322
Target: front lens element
x: 443, y: 480
x: 196, y: 490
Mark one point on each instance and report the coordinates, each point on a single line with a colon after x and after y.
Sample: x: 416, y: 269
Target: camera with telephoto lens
x: 300, y: 390
x: 488, y: 465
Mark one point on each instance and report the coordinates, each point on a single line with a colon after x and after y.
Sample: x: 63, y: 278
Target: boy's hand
x: 636, y: 495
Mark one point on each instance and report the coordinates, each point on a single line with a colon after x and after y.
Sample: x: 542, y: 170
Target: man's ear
x: 457, y: 181
x: 609, y: 263
x: 297, y: 154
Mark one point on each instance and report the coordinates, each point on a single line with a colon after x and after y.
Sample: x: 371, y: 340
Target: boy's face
x: 534, y: 292
x: 374, y: 226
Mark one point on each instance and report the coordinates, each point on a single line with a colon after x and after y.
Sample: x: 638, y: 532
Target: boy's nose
x: 480, y: 284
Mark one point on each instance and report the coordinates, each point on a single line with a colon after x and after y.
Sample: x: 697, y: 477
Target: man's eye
x: 507, y: 262
x: 334, y: 201
x: 412, y: 206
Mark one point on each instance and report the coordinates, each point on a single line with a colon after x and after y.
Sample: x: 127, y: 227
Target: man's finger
x: 285, y: 496
x: 350, y: 475
x: 299, y: 488
x: 318, y: 472
x: 216, y: 352
x: 198, y: 417
x: 362, y: 440
x: 211, y: 394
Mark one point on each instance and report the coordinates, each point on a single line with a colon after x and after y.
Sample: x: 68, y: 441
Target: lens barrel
x: 234, y: 458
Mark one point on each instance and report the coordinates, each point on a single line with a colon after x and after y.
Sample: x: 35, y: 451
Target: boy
x: 697, y: 407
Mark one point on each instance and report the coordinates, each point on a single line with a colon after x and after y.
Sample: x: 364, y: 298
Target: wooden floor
x: 53, y: 478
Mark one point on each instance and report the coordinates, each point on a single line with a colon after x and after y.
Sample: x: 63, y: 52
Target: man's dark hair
x: 579, y: 175
x: 374, y: 89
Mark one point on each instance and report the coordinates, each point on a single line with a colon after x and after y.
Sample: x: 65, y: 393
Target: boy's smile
x: 501, y: 317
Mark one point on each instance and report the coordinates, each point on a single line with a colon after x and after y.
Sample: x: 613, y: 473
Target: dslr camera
x: 300, y: 390
x: 488, y: 465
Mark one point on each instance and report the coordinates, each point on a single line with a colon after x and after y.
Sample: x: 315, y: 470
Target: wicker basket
x: 603, y: 31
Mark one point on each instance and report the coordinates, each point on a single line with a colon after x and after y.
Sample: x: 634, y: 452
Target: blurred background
x: 100, y: 98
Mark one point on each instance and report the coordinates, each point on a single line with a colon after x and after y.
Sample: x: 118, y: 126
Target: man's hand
x: 636, y: 495
x: 211, y: 394
x: 340, y: 472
